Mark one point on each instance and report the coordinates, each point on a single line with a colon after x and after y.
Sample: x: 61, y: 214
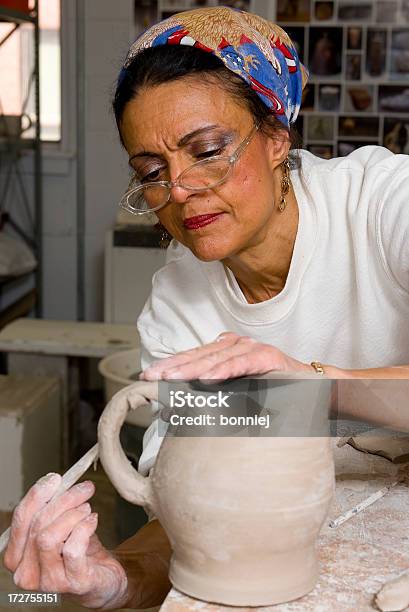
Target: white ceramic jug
x: 242, y: 513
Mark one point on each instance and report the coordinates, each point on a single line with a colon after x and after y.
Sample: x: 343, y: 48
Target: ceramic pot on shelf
x: 242, y: 513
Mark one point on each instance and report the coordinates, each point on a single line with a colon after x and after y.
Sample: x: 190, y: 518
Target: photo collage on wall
x: 148, y: 12
x: 170, y: 7
x: 358, y: 57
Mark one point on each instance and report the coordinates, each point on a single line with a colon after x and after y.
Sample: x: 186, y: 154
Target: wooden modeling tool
x: 362, y: 505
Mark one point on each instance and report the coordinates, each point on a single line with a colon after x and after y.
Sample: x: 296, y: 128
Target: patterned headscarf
x: 257, y: 50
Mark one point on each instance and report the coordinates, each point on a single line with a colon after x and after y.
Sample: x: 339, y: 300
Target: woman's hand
x: 53, y: 547
x: 229, y: 356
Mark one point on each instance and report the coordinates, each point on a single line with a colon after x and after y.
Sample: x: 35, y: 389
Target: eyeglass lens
x: 204, y: 175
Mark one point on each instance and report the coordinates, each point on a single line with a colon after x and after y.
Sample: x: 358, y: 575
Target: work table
x: 356, y: 558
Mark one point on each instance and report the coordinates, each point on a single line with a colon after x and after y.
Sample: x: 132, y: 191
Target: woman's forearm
x: 145, y: 558
x: 392, y: 372
x: 377, y: 396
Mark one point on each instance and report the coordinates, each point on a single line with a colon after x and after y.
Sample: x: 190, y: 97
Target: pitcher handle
x: 128, y: 482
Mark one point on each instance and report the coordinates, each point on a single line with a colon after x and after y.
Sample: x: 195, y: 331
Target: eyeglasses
x: 200, y: 176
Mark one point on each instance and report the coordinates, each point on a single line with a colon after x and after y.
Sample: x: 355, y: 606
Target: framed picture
x: 400, y: 54
x: 396, y: 134
x: 323, y: 11
x: 393, y: 99
x: 296, y: 33
x: 326, y: 151
x: 345, y: 147
x: 404, y: 11
x: 353, y: 67
x: 354, y: 38
x: 320, y: 128
x: 242, y: 5
x: 359, y: 98
x: 173, y: 6
x: 325, y: 51
x: 167, y: 14
x: 329, y: 97
x: 376, y: 41
x: 386, y: 11
x: 299, y: 126
x: 349, y: 11
x: 308, y: 97
x: 367, y: 127
x: 293, y: 10
x: 145, y: 15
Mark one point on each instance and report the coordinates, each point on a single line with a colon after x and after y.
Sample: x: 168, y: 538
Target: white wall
x: 60, y: 190
x: 59, y: 240
x: 89, y: 172
x: 108, y: 33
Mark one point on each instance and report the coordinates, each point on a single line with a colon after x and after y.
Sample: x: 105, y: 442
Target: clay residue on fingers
x: 49, y: 481
x: 394, y: 595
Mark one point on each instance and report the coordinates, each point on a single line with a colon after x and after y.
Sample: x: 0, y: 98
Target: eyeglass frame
x: 231, y: 159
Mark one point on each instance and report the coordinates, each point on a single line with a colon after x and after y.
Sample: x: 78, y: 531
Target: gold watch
x: 318, y: 367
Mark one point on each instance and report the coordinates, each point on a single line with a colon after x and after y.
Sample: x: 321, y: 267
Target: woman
x: 279, y: 259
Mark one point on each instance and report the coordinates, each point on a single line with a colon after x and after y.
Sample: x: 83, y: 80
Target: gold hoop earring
x: 285, y: 184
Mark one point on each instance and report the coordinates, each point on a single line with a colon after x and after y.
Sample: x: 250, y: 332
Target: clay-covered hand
x: 394, y: 595
x: 229, y: 356
x: 53, y: 547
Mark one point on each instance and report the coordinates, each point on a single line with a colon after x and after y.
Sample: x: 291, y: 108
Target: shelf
x: 7, y: 14
x: 15, y: 150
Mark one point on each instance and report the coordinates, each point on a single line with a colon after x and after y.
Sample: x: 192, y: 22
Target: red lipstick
x: 200, y: 220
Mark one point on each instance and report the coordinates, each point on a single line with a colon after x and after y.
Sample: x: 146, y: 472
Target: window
x: 17, y: 95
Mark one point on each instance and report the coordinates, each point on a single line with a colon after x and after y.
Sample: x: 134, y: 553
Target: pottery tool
x: 69, y: 478
x: 362, y: 505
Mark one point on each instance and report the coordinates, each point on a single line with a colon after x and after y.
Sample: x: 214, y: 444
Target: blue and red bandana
x: 257, y: 50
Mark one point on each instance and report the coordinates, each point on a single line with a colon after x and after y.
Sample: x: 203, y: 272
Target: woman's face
x: 167, y: 128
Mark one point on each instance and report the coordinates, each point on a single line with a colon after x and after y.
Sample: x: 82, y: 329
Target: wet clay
x: 394, y: 447
x: 242, y: 514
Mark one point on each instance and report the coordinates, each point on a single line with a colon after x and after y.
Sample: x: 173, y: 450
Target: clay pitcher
x: 242, y: 513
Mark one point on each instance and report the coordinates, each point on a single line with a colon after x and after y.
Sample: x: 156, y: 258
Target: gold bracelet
x: 318, y: 367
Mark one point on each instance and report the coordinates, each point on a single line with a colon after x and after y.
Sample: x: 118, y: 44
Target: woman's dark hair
x: 157, y: 65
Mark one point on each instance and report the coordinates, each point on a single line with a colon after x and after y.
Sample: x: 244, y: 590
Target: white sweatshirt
x: 346, y: 298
